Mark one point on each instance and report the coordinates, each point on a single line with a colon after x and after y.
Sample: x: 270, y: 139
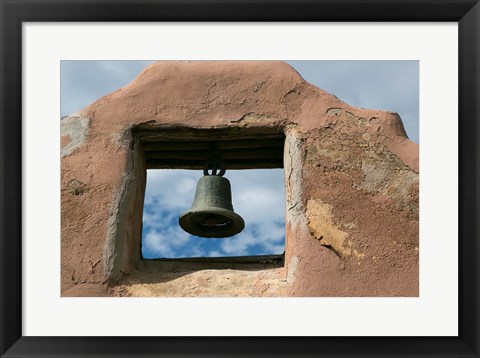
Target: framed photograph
x: 364, y: 244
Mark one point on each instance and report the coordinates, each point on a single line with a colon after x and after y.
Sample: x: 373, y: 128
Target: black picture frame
x: 14, y: 12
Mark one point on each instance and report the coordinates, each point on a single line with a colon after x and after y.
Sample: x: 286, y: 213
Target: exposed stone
x: 322, y: 227
x: 76, y: 187
x: 124, y: 224
x: 293, y: 164
x: 292, y: 268
x: 386, y: 175
x: 205, y: 283
x: 73, y: 130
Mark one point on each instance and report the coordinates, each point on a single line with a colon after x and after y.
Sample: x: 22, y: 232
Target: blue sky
x: 257, y: 195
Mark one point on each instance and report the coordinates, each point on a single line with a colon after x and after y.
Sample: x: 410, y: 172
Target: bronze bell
x: 211, y: 214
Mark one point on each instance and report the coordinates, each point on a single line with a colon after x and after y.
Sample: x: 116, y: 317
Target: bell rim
x: 187, y: 224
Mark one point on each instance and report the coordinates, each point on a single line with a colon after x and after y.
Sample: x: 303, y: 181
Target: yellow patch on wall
x: 321, y: 225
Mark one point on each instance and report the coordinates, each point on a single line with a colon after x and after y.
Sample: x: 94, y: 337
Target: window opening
x: 258, y: 195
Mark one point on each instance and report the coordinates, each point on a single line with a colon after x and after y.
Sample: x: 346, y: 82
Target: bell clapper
x: 211, y: 221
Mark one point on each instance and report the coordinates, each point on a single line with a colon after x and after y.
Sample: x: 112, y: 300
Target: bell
x: 211, y: 214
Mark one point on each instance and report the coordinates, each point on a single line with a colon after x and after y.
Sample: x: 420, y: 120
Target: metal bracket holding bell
x: 211, y: 214
x: 214, y: 163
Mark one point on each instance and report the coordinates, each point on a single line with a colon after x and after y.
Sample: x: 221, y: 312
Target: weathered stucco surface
x: 351, y: 181
x: 269, y: 282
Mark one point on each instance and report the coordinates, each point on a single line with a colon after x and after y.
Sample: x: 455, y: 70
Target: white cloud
x: 157, y: 244
x: 257, y: 195
x: 214, y: 253
x: 186, y: 185
x: 165, y: 241
x: 154, y: 214
x: 267, y: 238
x: 171, y: 189
x: 238, y: 246
x: 196, y: 251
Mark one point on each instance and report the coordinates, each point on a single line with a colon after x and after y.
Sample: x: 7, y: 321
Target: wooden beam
x: 199, y: 165
x: 206, y: 135
x: 226, y: 155
x: 219, y: 144
x: 187, y: 148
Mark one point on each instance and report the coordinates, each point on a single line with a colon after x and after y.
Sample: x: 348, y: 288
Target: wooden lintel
x: 219, y: 144
x: 187, y: 148
x: 225, y: 155
x: 199, y: 165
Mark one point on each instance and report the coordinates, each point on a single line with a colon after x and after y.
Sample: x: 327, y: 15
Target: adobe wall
x: 351, y: 181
